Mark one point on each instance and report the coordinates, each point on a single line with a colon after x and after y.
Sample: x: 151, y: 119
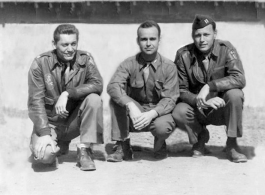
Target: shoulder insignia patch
x: 48, y: 81
x: 233, y: 54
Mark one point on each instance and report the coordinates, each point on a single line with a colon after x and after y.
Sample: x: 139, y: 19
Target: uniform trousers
x: 161, y: 127
x: 85, y: 119
x: 193, y: 121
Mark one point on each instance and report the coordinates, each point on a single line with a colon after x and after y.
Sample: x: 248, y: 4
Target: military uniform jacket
x: 225, y: 71
x: 159, y: 92
x: 45, y: 85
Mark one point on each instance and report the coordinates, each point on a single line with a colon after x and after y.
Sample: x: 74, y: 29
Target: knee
x: 234, y: 96
x: 163, y: 129
x: 49, y: 156
x: 93, y: 100
x: 179, y: 113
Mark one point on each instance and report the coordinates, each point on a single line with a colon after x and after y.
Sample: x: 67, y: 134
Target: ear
x: 215, y: 34
x: 53, y: 44
x: 137, y: 40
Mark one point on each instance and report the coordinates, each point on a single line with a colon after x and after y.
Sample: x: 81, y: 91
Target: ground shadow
x: 140, y: 152
x: 71, y: 157
x: 40, y: 167
x: 183, y: 149
x: 219, y: 151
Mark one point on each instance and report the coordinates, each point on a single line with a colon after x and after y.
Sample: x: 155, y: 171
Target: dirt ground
x: 179, y: 174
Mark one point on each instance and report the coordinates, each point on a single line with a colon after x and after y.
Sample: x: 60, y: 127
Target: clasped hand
x: 60, y: 106
x: 214, y: 103
x: 140, y: 119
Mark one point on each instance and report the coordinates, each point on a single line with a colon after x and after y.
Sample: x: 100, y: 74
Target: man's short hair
x: 65, y: 29
x: 148, y: 24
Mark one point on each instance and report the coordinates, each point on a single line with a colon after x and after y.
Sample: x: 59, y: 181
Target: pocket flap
x: 159, y: 84
x: 137, y: 84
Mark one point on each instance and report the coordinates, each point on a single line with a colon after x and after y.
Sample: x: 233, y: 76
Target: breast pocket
x: 137, y: 89
x: 49, y: 106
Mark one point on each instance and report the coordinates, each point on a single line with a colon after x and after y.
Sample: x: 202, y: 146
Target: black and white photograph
x: 132, y: 97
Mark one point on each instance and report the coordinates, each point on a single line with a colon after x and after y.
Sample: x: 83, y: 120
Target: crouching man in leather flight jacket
x: 64, y: 100
x: 211, y: 78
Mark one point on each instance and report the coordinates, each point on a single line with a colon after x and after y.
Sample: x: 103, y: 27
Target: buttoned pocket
x: 137, y: 84
x: 137, y: 89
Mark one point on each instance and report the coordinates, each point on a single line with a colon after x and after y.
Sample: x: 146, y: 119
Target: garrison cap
x: 200, y: 21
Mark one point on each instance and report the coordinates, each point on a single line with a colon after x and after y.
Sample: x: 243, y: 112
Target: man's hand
x: 215, y: 103
x: 201, y: 97
x: 41, y: 145
x: 60, y: 106
x: 134, y: 111
x: 145, y: 119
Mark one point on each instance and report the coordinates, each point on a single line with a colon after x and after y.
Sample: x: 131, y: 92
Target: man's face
x: 66, y: 47
x: 148, y: 40
x: 204, y: 38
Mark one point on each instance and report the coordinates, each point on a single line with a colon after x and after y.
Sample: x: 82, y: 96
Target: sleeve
x: 36, y: 104
x: 185, y: 94
x: 118, y: 84
x: 234, y: 78
x: 93, y: 82
x: 169, y: 93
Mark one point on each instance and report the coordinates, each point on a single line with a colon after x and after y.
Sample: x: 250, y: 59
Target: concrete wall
x: 111, y: 44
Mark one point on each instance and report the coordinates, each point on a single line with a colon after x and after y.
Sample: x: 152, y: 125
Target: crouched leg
x: 161, y: 128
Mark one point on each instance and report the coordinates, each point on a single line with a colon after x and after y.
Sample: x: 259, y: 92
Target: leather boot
x: 123, y: 152
x: 85, y: 159
x: 199, y: 149
x: 160, y: 149
x: 233, y: 151
x: 64, y: 147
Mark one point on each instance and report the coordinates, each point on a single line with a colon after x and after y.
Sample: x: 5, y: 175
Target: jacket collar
x: 78, y: 60
x: 195, y: 52
x: 157, y: 62
x: 216, y: 48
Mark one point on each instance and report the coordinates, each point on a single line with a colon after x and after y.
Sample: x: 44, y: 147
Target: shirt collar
x: 154, y: 63
x: 216, y: 48
x: 77, y: 58
x: 213, y: 54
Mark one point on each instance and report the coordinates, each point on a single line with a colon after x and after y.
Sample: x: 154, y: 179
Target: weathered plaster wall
x: 110, y: 44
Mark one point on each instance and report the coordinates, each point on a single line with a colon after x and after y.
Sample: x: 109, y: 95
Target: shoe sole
x: 85, y: 169
x: 112, y: 160
x: 197, y: 156
x: 240, y: 161
x: 124, y: 159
